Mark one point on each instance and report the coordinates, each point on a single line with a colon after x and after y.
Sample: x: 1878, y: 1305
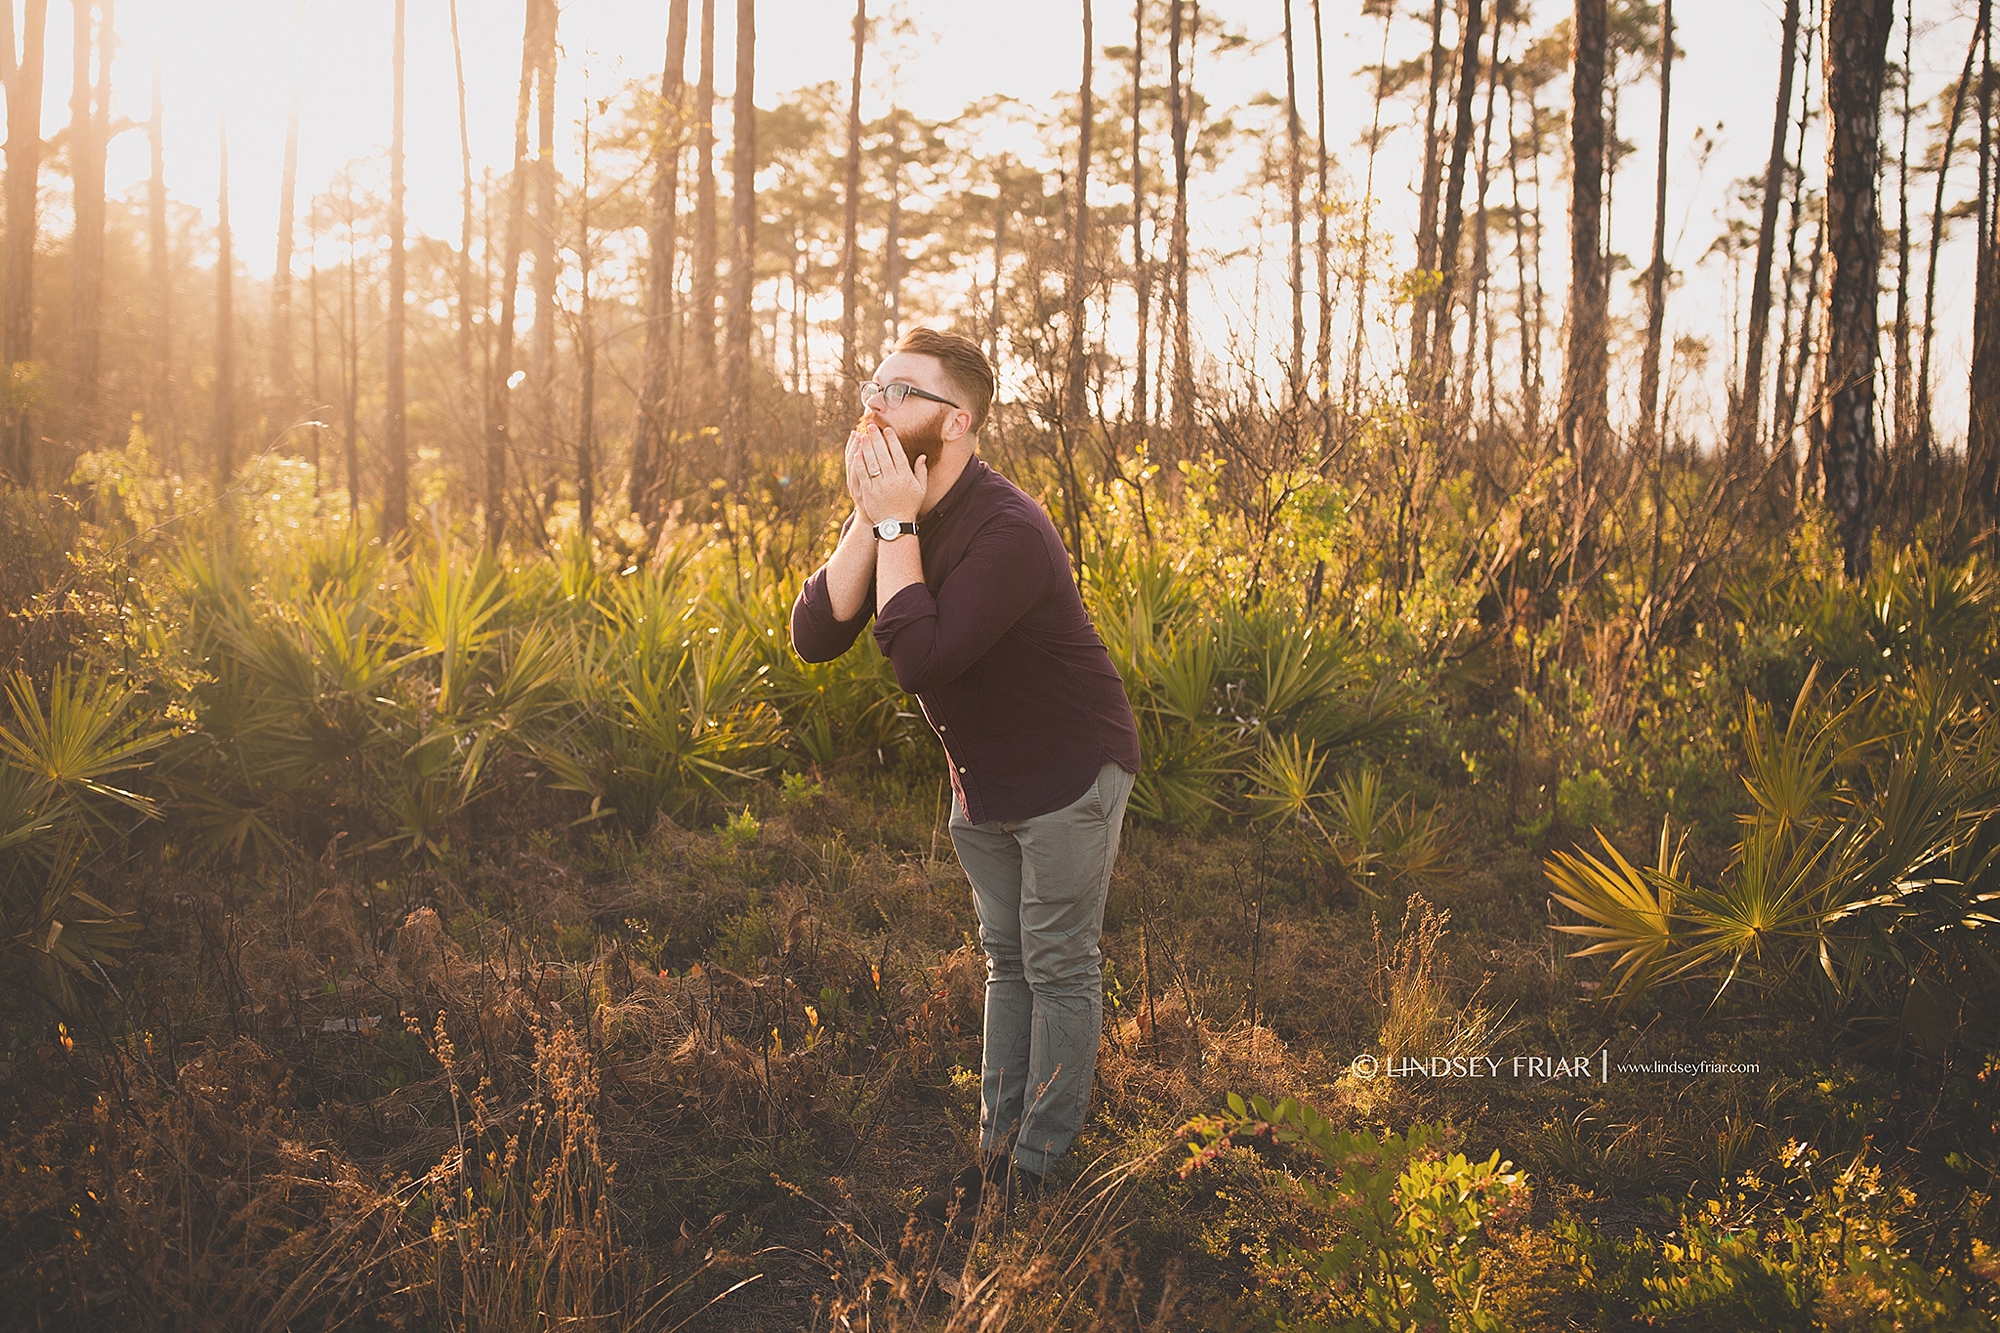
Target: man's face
x: 919, y: 423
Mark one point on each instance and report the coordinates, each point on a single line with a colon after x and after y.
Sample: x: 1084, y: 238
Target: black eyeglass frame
x: 894, y: 394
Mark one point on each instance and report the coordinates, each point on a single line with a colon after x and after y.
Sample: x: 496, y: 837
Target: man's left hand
x: 890, y: 487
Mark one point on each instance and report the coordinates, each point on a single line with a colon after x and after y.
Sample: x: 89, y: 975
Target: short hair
x: 964, y: 365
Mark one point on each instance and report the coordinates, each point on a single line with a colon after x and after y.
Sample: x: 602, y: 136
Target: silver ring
x: 874, y: 471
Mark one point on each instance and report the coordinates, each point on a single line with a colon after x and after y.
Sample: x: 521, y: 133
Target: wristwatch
x: 889, y: 529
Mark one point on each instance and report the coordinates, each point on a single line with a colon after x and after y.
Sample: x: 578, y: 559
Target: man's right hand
x: 857, y: 472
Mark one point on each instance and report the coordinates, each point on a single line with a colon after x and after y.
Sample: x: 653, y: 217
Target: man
x: 977, y: 610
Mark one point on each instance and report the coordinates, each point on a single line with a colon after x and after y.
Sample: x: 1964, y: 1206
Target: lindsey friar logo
x: 1594, y: 1067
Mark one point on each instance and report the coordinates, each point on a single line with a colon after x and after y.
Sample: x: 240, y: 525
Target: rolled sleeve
x: 931, y: 640
x: 816, y: 635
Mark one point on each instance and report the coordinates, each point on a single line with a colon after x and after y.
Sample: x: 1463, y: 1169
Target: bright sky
x: 241, y: 57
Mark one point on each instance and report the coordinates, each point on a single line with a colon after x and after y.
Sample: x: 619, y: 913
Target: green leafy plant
x: 1408, y: 1219
x: 1866, y: 866
x: 63, y: 759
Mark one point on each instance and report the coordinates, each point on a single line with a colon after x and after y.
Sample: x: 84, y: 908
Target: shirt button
x: 961, y: 768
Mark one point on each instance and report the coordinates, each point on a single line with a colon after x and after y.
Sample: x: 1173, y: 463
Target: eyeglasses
x: 894, y: 394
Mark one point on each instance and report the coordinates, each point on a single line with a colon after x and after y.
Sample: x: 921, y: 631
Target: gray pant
x: 1039, y: 887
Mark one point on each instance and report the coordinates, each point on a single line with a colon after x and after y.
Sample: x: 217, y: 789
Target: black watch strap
x: 902, y: 529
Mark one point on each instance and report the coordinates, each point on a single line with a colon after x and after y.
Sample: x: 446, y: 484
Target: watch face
x: 888, y: 529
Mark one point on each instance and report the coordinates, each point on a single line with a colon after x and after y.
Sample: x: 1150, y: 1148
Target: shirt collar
x: 975, y: 469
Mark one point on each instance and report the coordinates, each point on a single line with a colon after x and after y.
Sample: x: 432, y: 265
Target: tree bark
x: 1295, y: 187
x: 586, y: 350
x: 1142, y: 285
x: 1923, y: 403
x: 1749, y: 393
x: 1351, y: 396
x: 225, y: 328
x: 1180, y: 93
x: 86, y: 157
x: 1427, y: 203
x: 1079, y: 233
x: 1982, y: 440
x: 548, y: 226
x: 281, y: 272
x: 1582, y: 415
x: 1656, y: 277
x: 891, y: 323
x: 742, y: 240
x: 850, y: 234
x: 703, y: 282
x: 651, y: 434
x: 499, y: 387
x: 160, y: 405
x: 23, y: 80
x: 1904, y: 401
x: 1475, y: 296
x: 1438, y: 373
x: 1857, y: 43
x: 464, y: 274
x: 350, y: 368
x: 1785, y: 398
x: 395, y: 440
x: 1323, y: 346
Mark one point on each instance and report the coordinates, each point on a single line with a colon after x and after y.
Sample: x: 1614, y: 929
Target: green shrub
x: 1407, y: 1220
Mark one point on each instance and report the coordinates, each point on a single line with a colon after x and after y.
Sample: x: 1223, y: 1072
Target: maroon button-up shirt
x: 997, y: 647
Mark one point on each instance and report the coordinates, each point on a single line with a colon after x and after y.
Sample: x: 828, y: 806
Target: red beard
x: 919, y: 442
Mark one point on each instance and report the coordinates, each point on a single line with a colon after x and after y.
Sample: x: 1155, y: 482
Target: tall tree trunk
x: 1923, y: 404
x: 1482, y: 249
x: 1982, y: 436
x: 1785, y: 398
x: 1323, y: 346
x: 892, y: 241
x: 742, y: 240
x: 23, y: 81
x: 1905, y: 388
x: 702, y: 285
x: 1656, y: 275
x: 281, y: 271
x: 1142, y: 284
x: 548, y: 226
x: 651, y: 434
x: 1530, y: 402
x: 1749, y: 393
x: 350, y: 367
x: 1427, y: 202
x: 86, y: 157
x: 1982, y: 439
x: 586, y: 351
x: 1295, y: 187
x: 1857, y: 44
x: 395, y: 441
x: 1444, y: 316
x: 850, y: 233
x: 160, y: 404
x: 1582, y: 415
x: 1181, y: 94
x: 499, y: 386
x: 1079, y: 234
x: 999, y: 256
x: 464, y: 304
x: 318, y: 408
x: 225, y: 327
x: 1351, y: 396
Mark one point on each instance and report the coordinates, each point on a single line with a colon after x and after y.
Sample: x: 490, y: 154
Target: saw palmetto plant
x: 1865, y: 871
x: 68, y: 757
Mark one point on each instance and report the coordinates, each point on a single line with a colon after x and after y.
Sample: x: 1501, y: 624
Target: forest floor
x: 782, y: 1018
